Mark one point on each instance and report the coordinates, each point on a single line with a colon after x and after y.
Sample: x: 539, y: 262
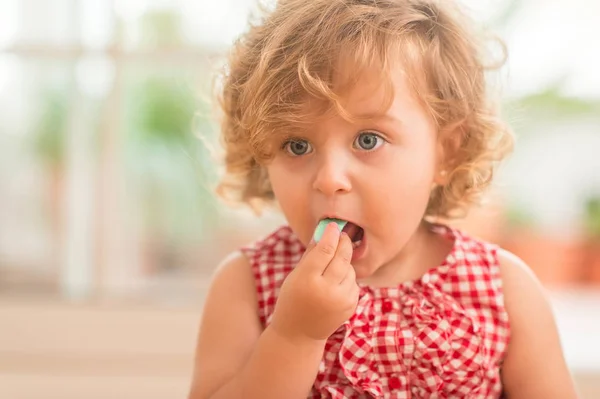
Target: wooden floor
x: 68, y: 351
x: 94, y: 351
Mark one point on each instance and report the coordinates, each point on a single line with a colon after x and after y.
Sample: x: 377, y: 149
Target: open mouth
x: 355, y: 232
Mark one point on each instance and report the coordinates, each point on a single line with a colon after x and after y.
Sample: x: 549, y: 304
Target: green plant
x: 50, y: 129
x: 169, y: 162
x: 161, y: 28
x: 164, y: 109
x: 552, y: 100
x: 592, y: 216
x: 518, y: 216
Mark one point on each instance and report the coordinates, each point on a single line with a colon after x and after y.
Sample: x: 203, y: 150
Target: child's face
x: 377, y: 174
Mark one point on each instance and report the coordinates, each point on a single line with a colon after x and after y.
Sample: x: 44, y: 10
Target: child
x: 372, y: 112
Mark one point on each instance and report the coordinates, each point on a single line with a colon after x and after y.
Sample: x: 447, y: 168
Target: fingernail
x: 337, y: 228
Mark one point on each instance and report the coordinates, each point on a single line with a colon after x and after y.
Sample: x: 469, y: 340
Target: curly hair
x: 293, y: 56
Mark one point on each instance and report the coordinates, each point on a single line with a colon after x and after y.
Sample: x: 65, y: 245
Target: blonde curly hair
x: 293, y: 56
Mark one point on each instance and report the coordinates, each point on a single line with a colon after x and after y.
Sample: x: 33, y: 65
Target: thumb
x: 311, y: 245
x: 318, y: 255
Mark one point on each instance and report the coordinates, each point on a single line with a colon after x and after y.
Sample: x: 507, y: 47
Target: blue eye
x: 297, y: 147
x: 368, y: 141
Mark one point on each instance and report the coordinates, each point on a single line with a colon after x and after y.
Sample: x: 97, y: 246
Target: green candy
x: 323, y: 223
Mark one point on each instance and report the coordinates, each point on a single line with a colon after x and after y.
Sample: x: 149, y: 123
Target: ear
x: 441, y: 178
x: 448, y: 146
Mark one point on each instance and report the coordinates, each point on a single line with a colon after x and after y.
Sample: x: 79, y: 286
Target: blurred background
x: 109, y: 230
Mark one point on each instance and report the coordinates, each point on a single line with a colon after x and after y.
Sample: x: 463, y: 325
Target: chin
x: 364, y: 268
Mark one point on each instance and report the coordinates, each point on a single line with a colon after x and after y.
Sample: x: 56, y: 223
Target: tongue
x: 352, y: 230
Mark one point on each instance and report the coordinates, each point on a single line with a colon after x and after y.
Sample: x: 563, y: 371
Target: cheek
x: 404, y: 172
x: 286, y: 181
x: 292, y: 196
x: 400, y: 192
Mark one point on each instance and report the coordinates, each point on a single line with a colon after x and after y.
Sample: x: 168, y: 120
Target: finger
x: 340, y: 264
x: 355, y: 292
x: 353, y: 289
x: 350, y: 277
x: 311, y: 245
x: 323, y: 251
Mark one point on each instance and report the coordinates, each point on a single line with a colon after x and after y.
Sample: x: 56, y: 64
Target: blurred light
x: 95, y: 75
x: 217, y: 24
x: 13, y: 99
x: 53, y: 22
x: 131, y: 9
x: 484, y: 10
x: 553, y: 41
x: 130, y: 13
x: 8, y: 69
x: 9, y: 22
x: 96, y: 23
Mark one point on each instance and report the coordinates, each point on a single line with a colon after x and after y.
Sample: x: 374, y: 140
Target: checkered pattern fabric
x: 442, y: 336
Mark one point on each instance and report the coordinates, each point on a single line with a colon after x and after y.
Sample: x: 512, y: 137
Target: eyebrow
x: 377, y: 116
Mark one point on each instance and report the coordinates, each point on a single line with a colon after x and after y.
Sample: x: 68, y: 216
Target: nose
x: 332, y: 175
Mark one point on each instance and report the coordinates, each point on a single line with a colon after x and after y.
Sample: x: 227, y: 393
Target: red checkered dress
x: 442, y: 336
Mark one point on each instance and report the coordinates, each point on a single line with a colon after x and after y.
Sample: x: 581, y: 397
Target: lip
x: 336, y: 216
x: 360, y: 252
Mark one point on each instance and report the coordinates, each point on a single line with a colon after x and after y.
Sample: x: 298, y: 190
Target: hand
x: 321, y: 293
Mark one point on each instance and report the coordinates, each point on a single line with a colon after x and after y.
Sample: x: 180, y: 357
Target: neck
x: 425, y: 250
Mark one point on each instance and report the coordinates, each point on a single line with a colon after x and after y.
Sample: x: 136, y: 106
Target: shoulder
x: 240, y: 267
x: 229, y: 307
x: 529, y: 310
x: 525, y: 299
x: 534, y: 366
x: 280, y: 249
x: 233, y: 274
x: 520, y: 284
x: 238, y: 271
x: 279, y: 239
x: 523, y: 294
x: 476, y: 255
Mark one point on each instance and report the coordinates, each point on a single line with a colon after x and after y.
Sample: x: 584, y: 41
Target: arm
x: 534, y: 367
x: 235, y: 358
